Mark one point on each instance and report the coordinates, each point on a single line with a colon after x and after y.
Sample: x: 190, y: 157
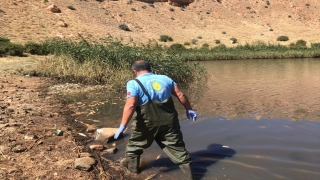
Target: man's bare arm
x: 128, y: 110
x: 182, y: 98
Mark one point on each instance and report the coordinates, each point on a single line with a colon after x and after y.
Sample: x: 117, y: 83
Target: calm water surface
x: 258, y: 119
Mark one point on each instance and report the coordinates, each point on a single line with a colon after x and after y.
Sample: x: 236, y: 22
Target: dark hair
x: 141, y: 65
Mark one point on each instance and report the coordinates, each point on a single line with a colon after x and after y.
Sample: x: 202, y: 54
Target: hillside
x: 204, y: 20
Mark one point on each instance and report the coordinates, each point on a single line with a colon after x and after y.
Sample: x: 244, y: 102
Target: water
x: 258, y: 119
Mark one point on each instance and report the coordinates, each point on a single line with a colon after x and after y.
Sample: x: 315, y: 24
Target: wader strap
x: 143, y: 89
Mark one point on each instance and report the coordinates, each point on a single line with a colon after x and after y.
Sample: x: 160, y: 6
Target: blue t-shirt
x: 159, y: 87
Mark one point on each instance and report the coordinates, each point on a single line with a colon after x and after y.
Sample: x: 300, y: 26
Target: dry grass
x: 27, y: 20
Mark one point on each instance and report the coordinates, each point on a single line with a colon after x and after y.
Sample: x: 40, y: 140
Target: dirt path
x: 30, y: 147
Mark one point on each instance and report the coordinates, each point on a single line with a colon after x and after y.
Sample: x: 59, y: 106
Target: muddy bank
x: 39, y: 139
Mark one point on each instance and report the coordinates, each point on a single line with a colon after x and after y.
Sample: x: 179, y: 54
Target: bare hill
x: 203, y: 20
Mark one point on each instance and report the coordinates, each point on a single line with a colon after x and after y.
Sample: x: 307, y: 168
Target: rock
x: 85, y: 154
x: 110, y: 150
x: 18, y: 149
x: 14, y: 170
x: 53, y: 8
x: 171, y: 2
x: 95, y: 145
x: 30, y: 137
x: 105, y: 134
x: 84, y: 163
x: 62, y: 24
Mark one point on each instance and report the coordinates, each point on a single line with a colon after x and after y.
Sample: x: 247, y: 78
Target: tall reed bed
x: 255, y: 51
x: 110, y: 63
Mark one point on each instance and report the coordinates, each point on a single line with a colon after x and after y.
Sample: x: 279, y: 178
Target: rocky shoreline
x: 39, y: 139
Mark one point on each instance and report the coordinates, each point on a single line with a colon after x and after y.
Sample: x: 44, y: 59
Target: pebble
x: 111, y: 150
x: 84, y: 163
x: 18, y: 149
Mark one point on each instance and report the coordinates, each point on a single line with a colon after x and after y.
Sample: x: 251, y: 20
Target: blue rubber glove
x: 191, y: 114
x: 119, y: 131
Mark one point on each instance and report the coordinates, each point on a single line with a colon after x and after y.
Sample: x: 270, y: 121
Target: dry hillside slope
x: 203, y: 20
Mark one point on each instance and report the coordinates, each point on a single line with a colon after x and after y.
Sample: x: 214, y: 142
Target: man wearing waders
x: 149, y: 95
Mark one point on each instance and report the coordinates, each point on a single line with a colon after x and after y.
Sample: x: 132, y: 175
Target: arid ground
x: 30, y: 114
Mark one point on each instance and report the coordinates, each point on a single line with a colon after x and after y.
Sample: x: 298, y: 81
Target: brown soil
x: 204, y: 20
x: 29, y: 119
x: 30, y: 116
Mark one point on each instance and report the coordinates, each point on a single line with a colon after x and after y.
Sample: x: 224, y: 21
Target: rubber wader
x: 156, y: 121
x: 187, y: 172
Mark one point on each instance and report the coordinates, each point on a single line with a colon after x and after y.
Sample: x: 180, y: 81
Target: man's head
x: 140, y: 67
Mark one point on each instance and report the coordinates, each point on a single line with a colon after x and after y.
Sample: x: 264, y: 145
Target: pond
x: 258, y: 119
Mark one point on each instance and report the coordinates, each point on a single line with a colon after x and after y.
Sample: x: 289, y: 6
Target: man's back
x: 159, y: 87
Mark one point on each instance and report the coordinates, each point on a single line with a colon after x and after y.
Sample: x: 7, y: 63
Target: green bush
x: 11, y: 49
x: 3, y: 39
x: 315, y: 45
x: 71, y: 7
x: 165, y: 38
x: 205, y: 46
x: 34, y: 48
x: 233, y: 40
x: 124, y: 27
x: 283, y: 38
x: 177, y: 46
x: 301, y: 43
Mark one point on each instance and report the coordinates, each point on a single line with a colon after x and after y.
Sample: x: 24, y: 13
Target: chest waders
x: 156, y: 121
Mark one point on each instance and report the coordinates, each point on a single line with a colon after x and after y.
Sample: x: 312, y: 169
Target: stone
x: 53, y: 8
x: 95, y: 145
x: 62, y: 24
x: 105, y: 134
x: 110, y: 150
x: 85, y: 154
x: 171, y: 2
x: 84, y: 163
x: 18, y: 149
x: 30, y: 137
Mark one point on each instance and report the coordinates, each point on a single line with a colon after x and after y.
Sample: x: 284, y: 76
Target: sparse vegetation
x: 187, y: 44
x: 233, y: 40
x: 283, y: 38
x: 124, y: 27
x: 71, y: 7
x: 165, y: 38
x: 217, y: 41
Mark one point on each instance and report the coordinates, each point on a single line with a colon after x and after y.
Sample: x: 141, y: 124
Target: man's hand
x: 119, y: 131
x: 191, y: 114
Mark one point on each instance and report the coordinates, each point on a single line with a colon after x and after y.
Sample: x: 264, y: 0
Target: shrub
x: 205, y: 46
x: 283, y: 38
x: 315, y: 45
x: 186, y: 44
x: 124, y: 27
x: 3, y: 39
x: 133, y: 9
x: 301, y: 43
x: 223, y: 32
x: 194, y: 41
x: 71, y: 7
x: 177, y: 46
x: 217, y: 41
x: 11, y: 49
x: 144, y: 7
x: 199, y: 37
x: 165, y: 38
x: 34, y: 48
x: 171, y: 9
x: 233, y: 40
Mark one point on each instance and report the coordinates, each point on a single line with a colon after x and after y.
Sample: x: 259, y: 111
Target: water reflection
x: 285, y: 89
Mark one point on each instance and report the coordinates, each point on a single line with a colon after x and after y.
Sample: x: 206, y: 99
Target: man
x: 149, y: 95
